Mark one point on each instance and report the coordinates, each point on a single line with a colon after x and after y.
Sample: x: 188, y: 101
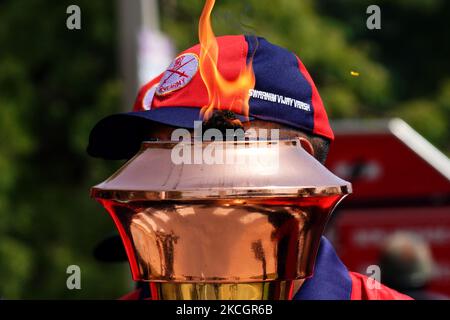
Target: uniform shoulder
x: 365, y: 288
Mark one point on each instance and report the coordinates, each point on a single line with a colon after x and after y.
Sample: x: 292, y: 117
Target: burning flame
x: 218, y: 87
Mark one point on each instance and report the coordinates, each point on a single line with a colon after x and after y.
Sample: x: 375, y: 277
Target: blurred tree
x: 413, y: 46
x: 56, y: 83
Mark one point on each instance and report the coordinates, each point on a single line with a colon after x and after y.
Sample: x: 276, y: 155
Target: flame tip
x: 220, y: 89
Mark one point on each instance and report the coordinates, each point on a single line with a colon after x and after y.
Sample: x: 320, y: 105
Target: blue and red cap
x: 284, y: 92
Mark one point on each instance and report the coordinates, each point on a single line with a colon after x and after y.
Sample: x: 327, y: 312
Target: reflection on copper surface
x: 268, y: 290
x: 217, y: 231
x: 256, y: 241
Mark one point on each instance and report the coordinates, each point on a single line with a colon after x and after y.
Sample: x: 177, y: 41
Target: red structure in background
x: 400, y: 183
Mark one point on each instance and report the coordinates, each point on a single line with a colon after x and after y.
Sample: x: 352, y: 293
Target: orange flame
x: 218, y: 87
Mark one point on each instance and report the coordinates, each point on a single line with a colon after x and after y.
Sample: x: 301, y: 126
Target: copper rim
x: 212, y: 194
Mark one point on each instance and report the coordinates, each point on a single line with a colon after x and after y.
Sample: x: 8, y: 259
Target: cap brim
x: 119, y: 136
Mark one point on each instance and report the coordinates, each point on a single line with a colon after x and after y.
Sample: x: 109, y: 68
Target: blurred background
x: 56, y: 83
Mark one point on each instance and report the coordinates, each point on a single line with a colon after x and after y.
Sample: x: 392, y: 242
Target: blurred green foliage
x: 56, y: 83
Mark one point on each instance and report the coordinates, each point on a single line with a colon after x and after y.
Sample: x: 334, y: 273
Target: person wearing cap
x: 407, y: 263
x: 284, y: 97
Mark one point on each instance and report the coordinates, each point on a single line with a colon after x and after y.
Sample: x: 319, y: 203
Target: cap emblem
x: 179, y: 74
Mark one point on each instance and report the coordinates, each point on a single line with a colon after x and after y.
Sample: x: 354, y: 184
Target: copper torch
x: 245, y: 224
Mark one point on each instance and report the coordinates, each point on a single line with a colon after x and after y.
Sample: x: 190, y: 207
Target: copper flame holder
x: 222, y: 230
